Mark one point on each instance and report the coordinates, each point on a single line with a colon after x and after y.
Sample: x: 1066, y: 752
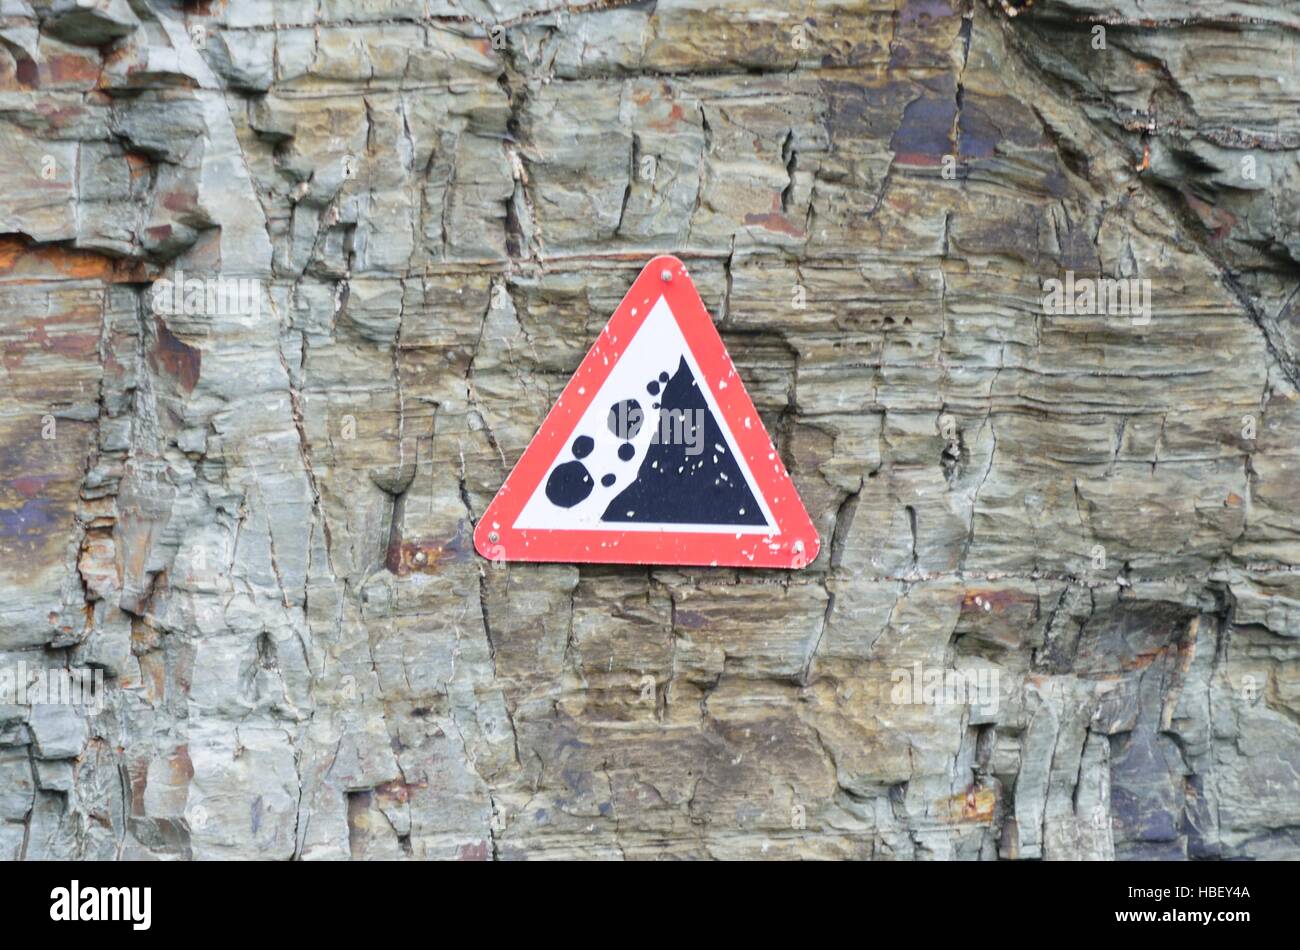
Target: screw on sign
x: 653, y: 454
x: 496, y: 553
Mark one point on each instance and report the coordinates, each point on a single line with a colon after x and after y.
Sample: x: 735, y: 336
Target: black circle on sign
x: 625, y: 418
x: 569, y: 484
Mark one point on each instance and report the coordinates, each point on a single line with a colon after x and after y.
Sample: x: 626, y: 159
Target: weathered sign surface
x: 653, y: 454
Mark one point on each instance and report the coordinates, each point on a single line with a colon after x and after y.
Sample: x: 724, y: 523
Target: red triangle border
x: 794, y: 546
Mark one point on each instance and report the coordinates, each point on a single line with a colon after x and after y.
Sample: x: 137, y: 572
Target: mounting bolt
x: 420, y: 557
x: 666, y: 276
x: 493, y: 537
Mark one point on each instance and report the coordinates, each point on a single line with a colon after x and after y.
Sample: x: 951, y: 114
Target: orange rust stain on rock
x: 154, y: 677
x: 116, y: 54
x: 918, y: 159
x: 138, y: 776
x: 71, y: 337
x: 28, y: 73
x: 29, y: 486
x: 675, y: 115
x: 97, y: 563
x: 900, y: 203
x: 995, y: 599
x: 70, y: 68
x: 65, y: 344
x: 394, y: 791
x: 1146, y: 158
x: 180, y: 766
x: 420, y: 557
x: 1142, y: 659
x: 1217, y: 221
x: 976, y: 804
x: 59, y: 116
x: 178, y: 359
x: 26, y: 262
x: 138, y: 164
x: 426, y: 556
x: 774, y: 220
x: 181, y: 201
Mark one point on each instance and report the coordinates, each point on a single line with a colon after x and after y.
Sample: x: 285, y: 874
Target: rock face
x: 289, y: 285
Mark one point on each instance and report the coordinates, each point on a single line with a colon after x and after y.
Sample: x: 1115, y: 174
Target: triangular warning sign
x: 653, y: 454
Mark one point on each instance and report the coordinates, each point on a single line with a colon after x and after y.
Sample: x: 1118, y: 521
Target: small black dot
x: 607, y: 480
x: 652, y: 387
x: 582, y: 446
x: 626, y: 451
x: 663, y: 377
x: 654, y: 405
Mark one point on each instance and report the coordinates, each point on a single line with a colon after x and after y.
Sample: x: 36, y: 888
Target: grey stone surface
x: 256, y: 521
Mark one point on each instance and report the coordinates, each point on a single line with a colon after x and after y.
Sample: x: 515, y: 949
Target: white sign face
x: 652, y: 451
x: 653, y: 454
